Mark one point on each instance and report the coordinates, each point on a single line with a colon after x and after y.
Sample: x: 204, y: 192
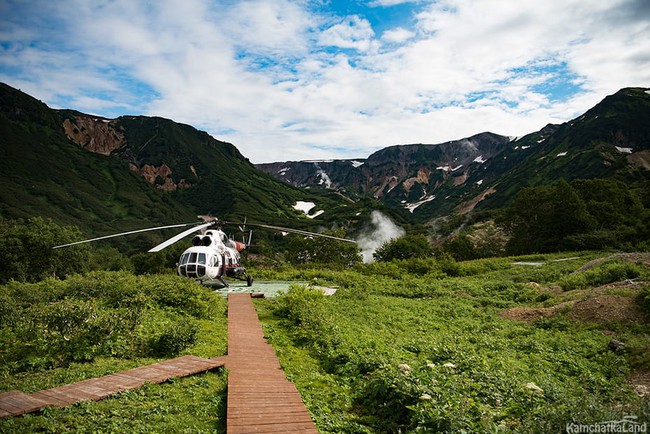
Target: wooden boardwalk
x: 260, y: 398
x: 15, y: 402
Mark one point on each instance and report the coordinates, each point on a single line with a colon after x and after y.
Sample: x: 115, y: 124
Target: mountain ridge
x: 110, y: 175
x: 612, y: 139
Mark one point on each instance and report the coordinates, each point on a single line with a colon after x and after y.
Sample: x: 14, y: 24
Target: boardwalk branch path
x: 260, y: 398
x: 15, y: 402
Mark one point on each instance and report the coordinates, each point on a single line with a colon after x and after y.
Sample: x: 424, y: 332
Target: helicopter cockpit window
x: 192, y: 265
x: 184, y: 258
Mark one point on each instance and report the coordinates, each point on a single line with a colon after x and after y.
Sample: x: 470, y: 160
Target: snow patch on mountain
x: 305, y: 207
x: 324, y: 177
x: 424, y: 199
x: 479, y: 160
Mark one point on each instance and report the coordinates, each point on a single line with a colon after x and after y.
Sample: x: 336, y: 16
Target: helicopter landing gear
x: 249, y: 280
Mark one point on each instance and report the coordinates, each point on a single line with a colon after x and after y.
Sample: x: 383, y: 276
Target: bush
x: 406, y: 247
x: 26, y: 252
x: 320, y: 250
x: 174, y: 338
x: 601, y: 275
x: 114, y: 314
x: 645, y: 297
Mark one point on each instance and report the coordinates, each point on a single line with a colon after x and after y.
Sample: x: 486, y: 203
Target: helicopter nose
x: 193, y: 265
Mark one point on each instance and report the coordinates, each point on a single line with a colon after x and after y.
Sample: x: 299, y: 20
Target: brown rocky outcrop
x: 94, y: 134
x: 422, y: 178
x: 160, y: 177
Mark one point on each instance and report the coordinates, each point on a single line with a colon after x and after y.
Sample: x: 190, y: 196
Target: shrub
x: 645, y: 297
x: 601, y: 275
x: 26, y: 253
x: 406, y: 247
x: 174, y: 338
x: 113, y: 314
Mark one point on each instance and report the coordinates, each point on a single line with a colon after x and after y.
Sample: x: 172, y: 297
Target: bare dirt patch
x: 530, y: 314
x: 596, y: 305
x: 608, y: 308
x: 640, y: 382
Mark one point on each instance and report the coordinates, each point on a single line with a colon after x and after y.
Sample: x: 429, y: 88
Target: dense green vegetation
x: 56, y: 332
x: 424, y: 346
x: 27, y: 254
x: 581, y: 215
x: 586, y: 214
x: 410, y: 345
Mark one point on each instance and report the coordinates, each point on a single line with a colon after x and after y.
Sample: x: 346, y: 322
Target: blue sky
x: 296, y: 80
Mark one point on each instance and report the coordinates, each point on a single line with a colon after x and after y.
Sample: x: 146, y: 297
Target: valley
x: 508, y: 292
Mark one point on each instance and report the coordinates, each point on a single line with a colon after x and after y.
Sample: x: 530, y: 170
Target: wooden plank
x: 260, y: 398
x: 299, y: 427
x: 59, y: 399
x: 15, y: 402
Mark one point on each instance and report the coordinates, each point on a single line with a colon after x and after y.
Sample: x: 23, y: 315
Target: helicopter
x: 213, y: 256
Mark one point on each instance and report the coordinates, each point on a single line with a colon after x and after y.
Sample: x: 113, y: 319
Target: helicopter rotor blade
x: 242, y: 227
x: 124, y: 233
x: 178, y: 237
x: 300, y: 232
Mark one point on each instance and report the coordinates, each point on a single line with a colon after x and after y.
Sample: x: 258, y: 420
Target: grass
x: 410, y: 346
x: 161, y: 306
x: 431, y: 353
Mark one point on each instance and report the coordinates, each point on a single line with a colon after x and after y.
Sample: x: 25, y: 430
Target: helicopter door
x: 213, y: 266
x: 200, y: 269
x: 223, y: 266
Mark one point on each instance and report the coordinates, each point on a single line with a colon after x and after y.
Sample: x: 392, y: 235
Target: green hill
x: 106, y: 175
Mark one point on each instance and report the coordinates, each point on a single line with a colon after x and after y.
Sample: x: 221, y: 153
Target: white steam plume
x: 383, y: 229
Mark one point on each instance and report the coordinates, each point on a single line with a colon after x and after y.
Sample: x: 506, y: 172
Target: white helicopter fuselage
x: 212, y: 258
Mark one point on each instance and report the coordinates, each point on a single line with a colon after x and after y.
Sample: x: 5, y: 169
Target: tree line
x: 582, y: 215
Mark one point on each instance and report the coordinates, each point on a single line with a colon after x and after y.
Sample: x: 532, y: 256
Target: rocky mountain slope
x: 486, y: 170
x: 107, y: 175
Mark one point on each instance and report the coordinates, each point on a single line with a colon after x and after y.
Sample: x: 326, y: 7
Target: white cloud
x: 353, y: 32
x: 397, y: 36
x: 278, y: 26
x: 282, y: 81
x: 386, y: 3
